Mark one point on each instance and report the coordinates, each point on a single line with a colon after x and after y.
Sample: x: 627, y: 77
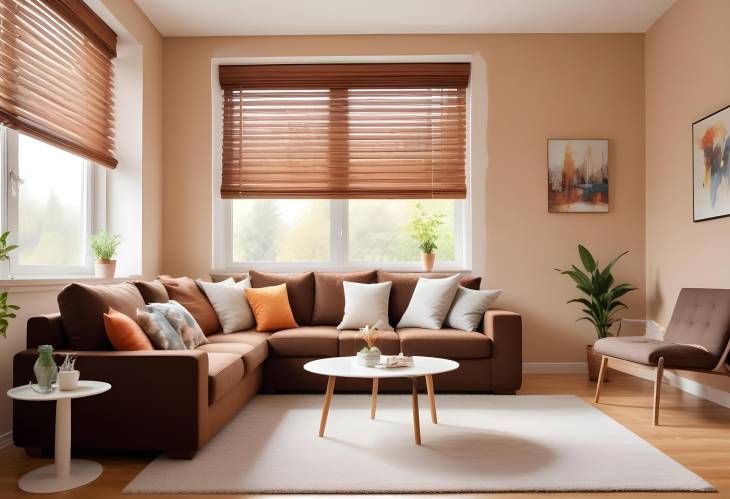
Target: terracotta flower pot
x: 427, y: 260
x: 594, y: 364
x: 105, y: 268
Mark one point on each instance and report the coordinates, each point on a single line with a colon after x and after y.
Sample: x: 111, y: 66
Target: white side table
x: 64, y: 474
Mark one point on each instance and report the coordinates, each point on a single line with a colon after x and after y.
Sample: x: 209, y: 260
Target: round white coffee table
x: 347, y: 367
x: 64, y: 474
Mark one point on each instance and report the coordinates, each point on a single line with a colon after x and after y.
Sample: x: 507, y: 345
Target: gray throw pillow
x: 430, y: 302
x: 469, y: 307
x: 160, y: 332
x: 182, y: 322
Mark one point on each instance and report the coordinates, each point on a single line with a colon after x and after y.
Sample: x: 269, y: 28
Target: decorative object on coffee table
x: 65, y: 473
x: 369, y: 355
x: 423, y: 229
x: 105, y: 246
x: 348, y: 367
x: 601, y: 302
x: 711, y: 166
x: 45, y: 369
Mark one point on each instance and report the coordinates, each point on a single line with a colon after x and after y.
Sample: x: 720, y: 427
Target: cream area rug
x: 481, y: 443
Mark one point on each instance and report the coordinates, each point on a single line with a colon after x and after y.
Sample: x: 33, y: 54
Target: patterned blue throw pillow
x: 181, y: 321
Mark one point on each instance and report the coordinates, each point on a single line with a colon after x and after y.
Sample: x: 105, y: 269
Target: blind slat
x: 56, y: 75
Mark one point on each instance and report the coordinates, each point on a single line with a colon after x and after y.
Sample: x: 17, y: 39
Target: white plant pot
x: 105, y: 269
x: 68, y: 380
x: 368, y: 358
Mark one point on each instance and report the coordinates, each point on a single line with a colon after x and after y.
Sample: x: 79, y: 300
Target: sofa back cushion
x: 299, y: 288
x: 83, y: 306
x: 184, y: 291
x: 152, y: 291
x: 329, y: 295
x: 405, y: 283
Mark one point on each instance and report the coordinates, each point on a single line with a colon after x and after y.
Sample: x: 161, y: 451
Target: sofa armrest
x: 505, y: 330
x: 46, y: 330
x: 158, y: 401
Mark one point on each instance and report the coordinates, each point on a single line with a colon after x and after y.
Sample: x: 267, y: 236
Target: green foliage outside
x: 105, y: 245
x: 602, y: 296
x: 424, y: 228
x: 299, y: 231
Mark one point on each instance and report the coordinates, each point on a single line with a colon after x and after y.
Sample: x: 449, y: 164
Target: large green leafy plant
x: 7, y: 311
x: 602, y: 295
x: 424, y: 227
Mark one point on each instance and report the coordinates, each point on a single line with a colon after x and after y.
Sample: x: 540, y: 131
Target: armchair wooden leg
x: 658, y: 388
x: 601, y: 375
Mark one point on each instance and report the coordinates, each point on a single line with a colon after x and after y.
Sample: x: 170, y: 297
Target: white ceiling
x: 330, y: 17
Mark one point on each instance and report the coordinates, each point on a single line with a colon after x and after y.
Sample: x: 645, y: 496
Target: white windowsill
x: 50, y: 283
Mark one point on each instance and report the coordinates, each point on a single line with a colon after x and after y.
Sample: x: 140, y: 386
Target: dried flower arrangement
x: 370, y: 335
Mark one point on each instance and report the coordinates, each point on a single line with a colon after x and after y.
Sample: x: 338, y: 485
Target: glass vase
x: 45, y: 369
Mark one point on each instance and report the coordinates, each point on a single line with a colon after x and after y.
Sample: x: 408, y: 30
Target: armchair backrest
x: 701, y: 317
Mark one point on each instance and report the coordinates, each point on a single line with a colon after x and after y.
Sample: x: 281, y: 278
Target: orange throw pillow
x: 124, y: 333
x: 271, y: 308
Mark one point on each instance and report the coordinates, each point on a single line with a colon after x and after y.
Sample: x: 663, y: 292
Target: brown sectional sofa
x: 177, y: 400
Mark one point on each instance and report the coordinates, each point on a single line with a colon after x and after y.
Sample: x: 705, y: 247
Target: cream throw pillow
x: 228, y: 299
x: 366, y: 305
x: 469, y: 307
x: 430, y: 302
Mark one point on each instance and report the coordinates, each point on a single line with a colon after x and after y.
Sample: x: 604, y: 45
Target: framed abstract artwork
x: 711, y: 166
x: 577, y: 175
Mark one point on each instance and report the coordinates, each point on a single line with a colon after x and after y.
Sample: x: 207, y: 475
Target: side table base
x: 43, y: 480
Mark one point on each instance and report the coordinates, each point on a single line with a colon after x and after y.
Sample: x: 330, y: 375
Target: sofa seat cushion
x: 351, y: 342
x: 225, y: 371
x: 318, y: 341
x: 446, y: 343
x: 252, y: 355
x: 643, y: 350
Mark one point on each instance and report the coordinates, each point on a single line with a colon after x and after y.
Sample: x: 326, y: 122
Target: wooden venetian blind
x: 56, y: 75
x: 344, y: 131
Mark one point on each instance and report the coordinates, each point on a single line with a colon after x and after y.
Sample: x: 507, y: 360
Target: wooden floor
x: 693, y: 431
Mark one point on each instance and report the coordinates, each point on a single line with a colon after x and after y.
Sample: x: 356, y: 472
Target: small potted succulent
x: 105, y: 247
x: 423, y: 229
x: 601, y: 301
x: 369, y: 355
x: 68, y: 375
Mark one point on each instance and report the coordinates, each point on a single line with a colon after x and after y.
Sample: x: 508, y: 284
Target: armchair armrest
x: 158, y: 401
x: 505, y: 330
x: 652, y: 329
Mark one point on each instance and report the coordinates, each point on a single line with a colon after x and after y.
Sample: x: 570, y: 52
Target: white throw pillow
x: 229, y: 302
x: 430, y: 302
x: 469, y: 307
x: 366, y: 305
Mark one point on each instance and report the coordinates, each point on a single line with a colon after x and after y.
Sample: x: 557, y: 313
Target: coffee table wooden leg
x: 374, y: 398
x: 416, y: 421
x: 326, y: 406
x: 431, y: 398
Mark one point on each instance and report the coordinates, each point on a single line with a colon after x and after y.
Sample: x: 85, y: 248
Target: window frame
x: 467, y: 242
x: 94, y: 188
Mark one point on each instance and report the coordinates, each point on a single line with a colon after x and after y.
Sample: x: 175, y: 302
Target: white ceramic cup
x: 68, y: 380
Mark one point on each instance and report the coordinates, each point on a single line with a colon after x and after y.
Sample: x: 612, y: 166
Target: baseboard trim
x: 554, y: 367
x: 6, y: 439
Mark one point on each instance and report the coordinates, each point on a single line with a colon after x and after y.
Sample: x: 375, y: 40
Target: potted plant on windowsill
x: 601, y: 301
x: 423, y: 229
x: 105, y: 247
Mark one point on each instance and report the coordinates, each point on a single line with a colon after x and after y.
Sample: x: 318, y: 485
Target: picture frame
x: 711, y: 166
x: 578, y: 177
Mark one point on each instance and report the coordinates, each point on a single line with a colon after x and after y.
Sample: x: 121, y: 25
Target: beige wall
x: 687, y: 77
x: 539, y: 86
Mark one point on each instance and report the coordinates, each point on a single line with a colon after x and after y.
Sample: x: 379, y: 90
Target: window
x: 48, y: 200
x: 323, y: 165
